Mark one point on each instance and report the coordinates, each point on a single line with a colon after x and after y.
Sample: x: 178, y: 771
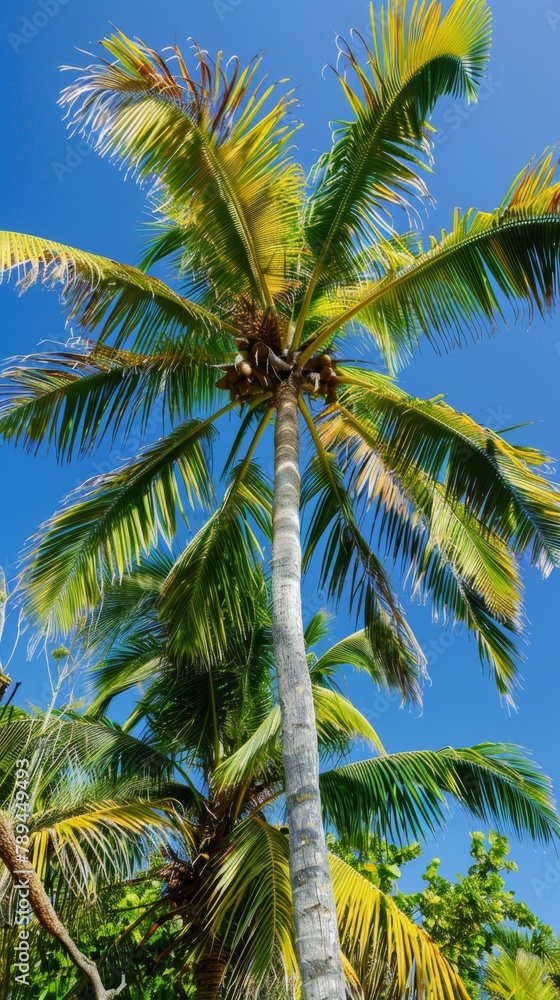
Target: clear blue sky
x: 50, y: 188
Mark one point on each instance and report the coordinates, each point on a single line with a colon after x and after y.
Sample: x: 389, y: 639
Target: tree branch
x: 25, y: 879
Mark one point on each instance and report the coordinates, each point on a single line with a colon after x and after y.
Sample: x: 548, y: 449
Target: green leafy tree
x: 495, y: 942
x: 274, y: 274
x: 463, y: 916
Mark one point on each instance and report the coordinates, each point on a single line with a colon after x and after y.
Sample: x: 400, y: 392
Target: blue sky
x: 52, y: 187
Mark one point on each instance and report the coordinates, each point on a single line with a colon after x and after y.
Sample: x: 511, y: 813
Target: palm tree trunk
x: 208, y: 975
x: 317, y: 942
x: 27, y: 881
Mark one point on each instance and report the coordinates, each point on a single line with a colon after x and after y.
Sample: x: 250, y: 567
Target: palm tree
x: 202, y: 751
x: 274, y: 275
x: 525, y: 965
x: 523, y: 976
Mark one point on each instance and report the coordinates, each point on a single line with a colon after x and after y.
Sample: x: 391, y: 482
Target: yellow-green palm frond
x: 114, y: 518
x: 214, y: 577
x: 72, y: 400
x: 460, y: 281
x: 404, y: 796
x: 252, y: 916
x: 415, y: 55
x: 494, y: 479
x: 384, y: 947
x: 99, y: 840
x: 250, y: 903
x: 101, y: 293
x: 523, y: 977
x: 347, y: 558
x: 454, y: 501
x: 216, y: 141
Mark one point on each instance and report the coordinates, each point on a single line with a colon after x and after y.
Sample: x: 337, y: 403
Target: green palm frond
x: 217, y: 141
x: 133, y: 662
x: 318, y: 628
x: 457, y: 284
x: 335, y: 717
x: 415, y: 56
x: 129, y: 606
x: 384, y: 947
x: 98, y: 744
x: 354, y: 651
x: 523, y: 977
x: 216, y: 571
x: 99, y: 292
x: 72, y: 400
x: 347, y: 559
x: 403, y: 795
x: 115, y: 518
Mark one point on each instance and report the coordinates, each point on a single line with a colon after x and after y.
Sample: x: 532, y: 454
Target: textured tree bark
x: 208, y: 975
x: 26, y: 879
x: 317, y: 941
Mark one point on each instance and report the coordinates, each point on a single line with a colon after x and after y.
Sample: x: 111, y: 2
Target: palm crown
x: 277, y: 272
x: 275, y: 275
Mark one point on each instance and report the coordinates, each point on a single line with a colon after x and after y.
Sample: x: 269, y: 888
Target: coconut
x: 244, y: 369
x: 326, y: 374
x: 243, y: 386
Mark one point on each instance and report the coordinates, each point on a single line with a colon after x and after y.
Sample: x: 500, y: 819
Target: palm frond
x: 348, y: 558
x: 99, y: 292
x: 335, y: 717
x: 523, y: 977
x: 459, y: 282
x: 129, y: 606
x: 354, y: 651
x: 72, y: 400
x: 111, y: 521
x: 385, y: 948
x: 217, y: 143
x: 416, y: 54
x: 251, y: 902
x: 98, y: 744
x: 494, y: 479
x: 133, y: 662
x: 216, y: 571
x: 453, y: 501
x: 403, y: 796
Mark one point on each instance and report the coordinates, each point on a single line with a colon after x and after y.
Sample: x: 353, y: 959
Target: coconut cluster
x: 262, y: 363
x: 259, y: 369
